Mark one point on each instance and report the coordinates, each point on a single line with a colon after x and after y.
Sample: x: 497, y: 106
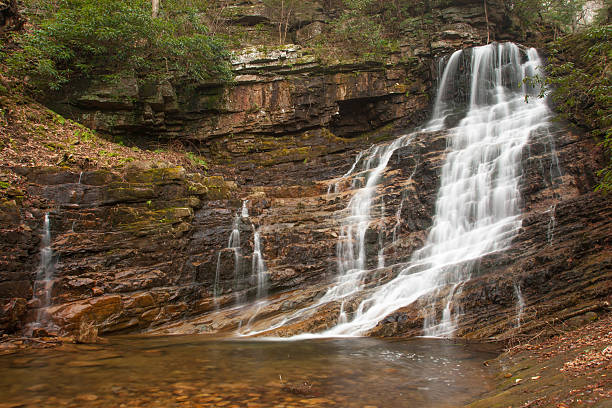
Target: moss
x: 173, y: 214
x: 145, y: 220
x: 127, y: 193
x: 157, y: 175
x: 100, y: 177
x: 287, y: 155
x: 379, y: 135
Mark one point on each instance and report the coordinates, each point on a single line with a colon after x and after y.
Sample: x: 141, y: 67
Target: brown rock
x: 12, y: 314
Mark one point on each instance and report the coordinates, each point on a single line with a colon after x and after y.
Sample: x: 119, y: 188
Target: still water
x: 195, y: 371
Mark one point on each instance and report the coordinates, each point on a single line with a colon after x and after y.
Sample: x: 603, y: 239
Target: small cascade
x: 447, y: 88
x: 351, y: 247
x: 381, y: 251
x: 233, y: 243
x: 244, y: 212
x: 43, y: 285
x: 381, y: 235
x: 80, y: 177
x: 520, y: 304
x: 259, y: 267
x: 550, y: 229
x: 259, y: 271
x: 334, y: 188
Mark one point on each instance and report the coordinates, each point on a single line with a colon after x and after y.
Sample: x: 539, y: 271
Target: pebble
x: 87, y: 397
x: 37, y: 387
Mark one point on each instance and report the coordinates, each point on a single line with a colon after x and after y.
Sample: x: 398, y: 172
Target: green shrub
x: 197, y: 160
x: 581, y: 85
x: 106, y: 37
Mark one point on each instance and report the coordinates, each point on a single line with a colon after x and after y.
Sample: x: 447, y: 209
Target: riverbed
x: 198, y: 371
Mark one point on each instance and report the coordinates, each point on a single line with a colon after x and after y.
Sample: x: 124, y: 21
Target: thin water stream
x: 204, y: 372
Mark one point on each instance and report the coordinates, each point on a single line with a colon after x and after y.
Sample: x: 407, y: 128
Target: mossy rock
x: 98, y: 178
x: 210, y: 188
x: 126, y: 193
x: 158, y: 175
x: 175, y: 214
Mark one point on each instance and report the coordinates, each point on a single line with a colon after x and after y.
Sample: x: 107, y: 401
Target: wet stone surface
x: 194, y: 371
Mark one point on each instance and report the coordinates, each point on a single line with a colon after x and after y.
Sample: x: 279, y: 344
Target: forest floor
x: 570, y: 369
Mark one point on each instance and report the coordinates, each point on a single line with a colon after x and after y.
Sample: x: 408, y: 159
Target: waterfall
x: 520, y: 304
x: 233, y: 243
x: 44, y: 277
x: 244, y: 212
x: 259, y: 267
x: 550, y: 228
x: 351, y: 247
x: 477, y: 210
x: 258, y: 264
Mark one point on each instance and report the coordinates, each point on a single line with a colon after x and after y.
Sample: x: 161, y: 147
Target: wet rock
x: 12, y: 314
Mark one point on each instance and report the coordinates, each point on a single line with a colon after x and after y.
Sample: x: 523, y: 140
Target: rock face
x: 276, y: 93
x: 560, y: 261
x: 147, y: 249
x: 116, y: 241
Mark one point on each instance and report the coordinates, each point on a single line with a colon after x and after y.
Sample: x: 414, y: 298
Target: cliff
x: 142, y: 244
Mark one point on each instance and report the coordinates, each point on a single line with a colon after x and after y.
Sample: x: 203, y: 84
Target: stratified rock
x: 12, y: 314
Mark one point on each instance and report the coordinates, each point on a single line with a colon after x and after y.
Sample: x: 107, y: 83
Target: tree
x: 9, y: 16
x: 563, y: 16
x: 154, y: 8
x: 111, y: 38
x: 281, y: 13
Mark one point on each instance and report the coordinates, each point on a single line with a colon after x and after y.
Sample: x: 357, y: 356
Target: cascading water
x: 477, y: 208
x: 233, y: 243
x: 258, y: 264
x: 351, y: 249
x: 259, y: 267
x: 520, y: 304
x: 244, y: 212
x: 44, y: 276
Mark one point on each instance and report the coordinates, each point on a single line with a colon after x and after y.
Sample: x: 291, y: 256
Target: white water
x: 259, y: 267
x: 550, y: 229
x: 477, y: 209
x: 258, y: 264
x: 233, y: 243
x: 244, y: 212
x: 351, y: 248
x: 520, y: 304
x: 44, y: 277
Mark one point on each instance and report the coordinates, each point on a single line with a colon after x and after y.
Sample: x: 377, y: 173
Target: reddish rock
x: 12, y: 314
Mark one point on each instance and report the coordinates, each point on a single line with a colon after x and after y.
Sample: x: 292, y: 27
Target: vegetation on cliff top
x: 74, y: 39
x: 561, y: 16
x: 580, y: 75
